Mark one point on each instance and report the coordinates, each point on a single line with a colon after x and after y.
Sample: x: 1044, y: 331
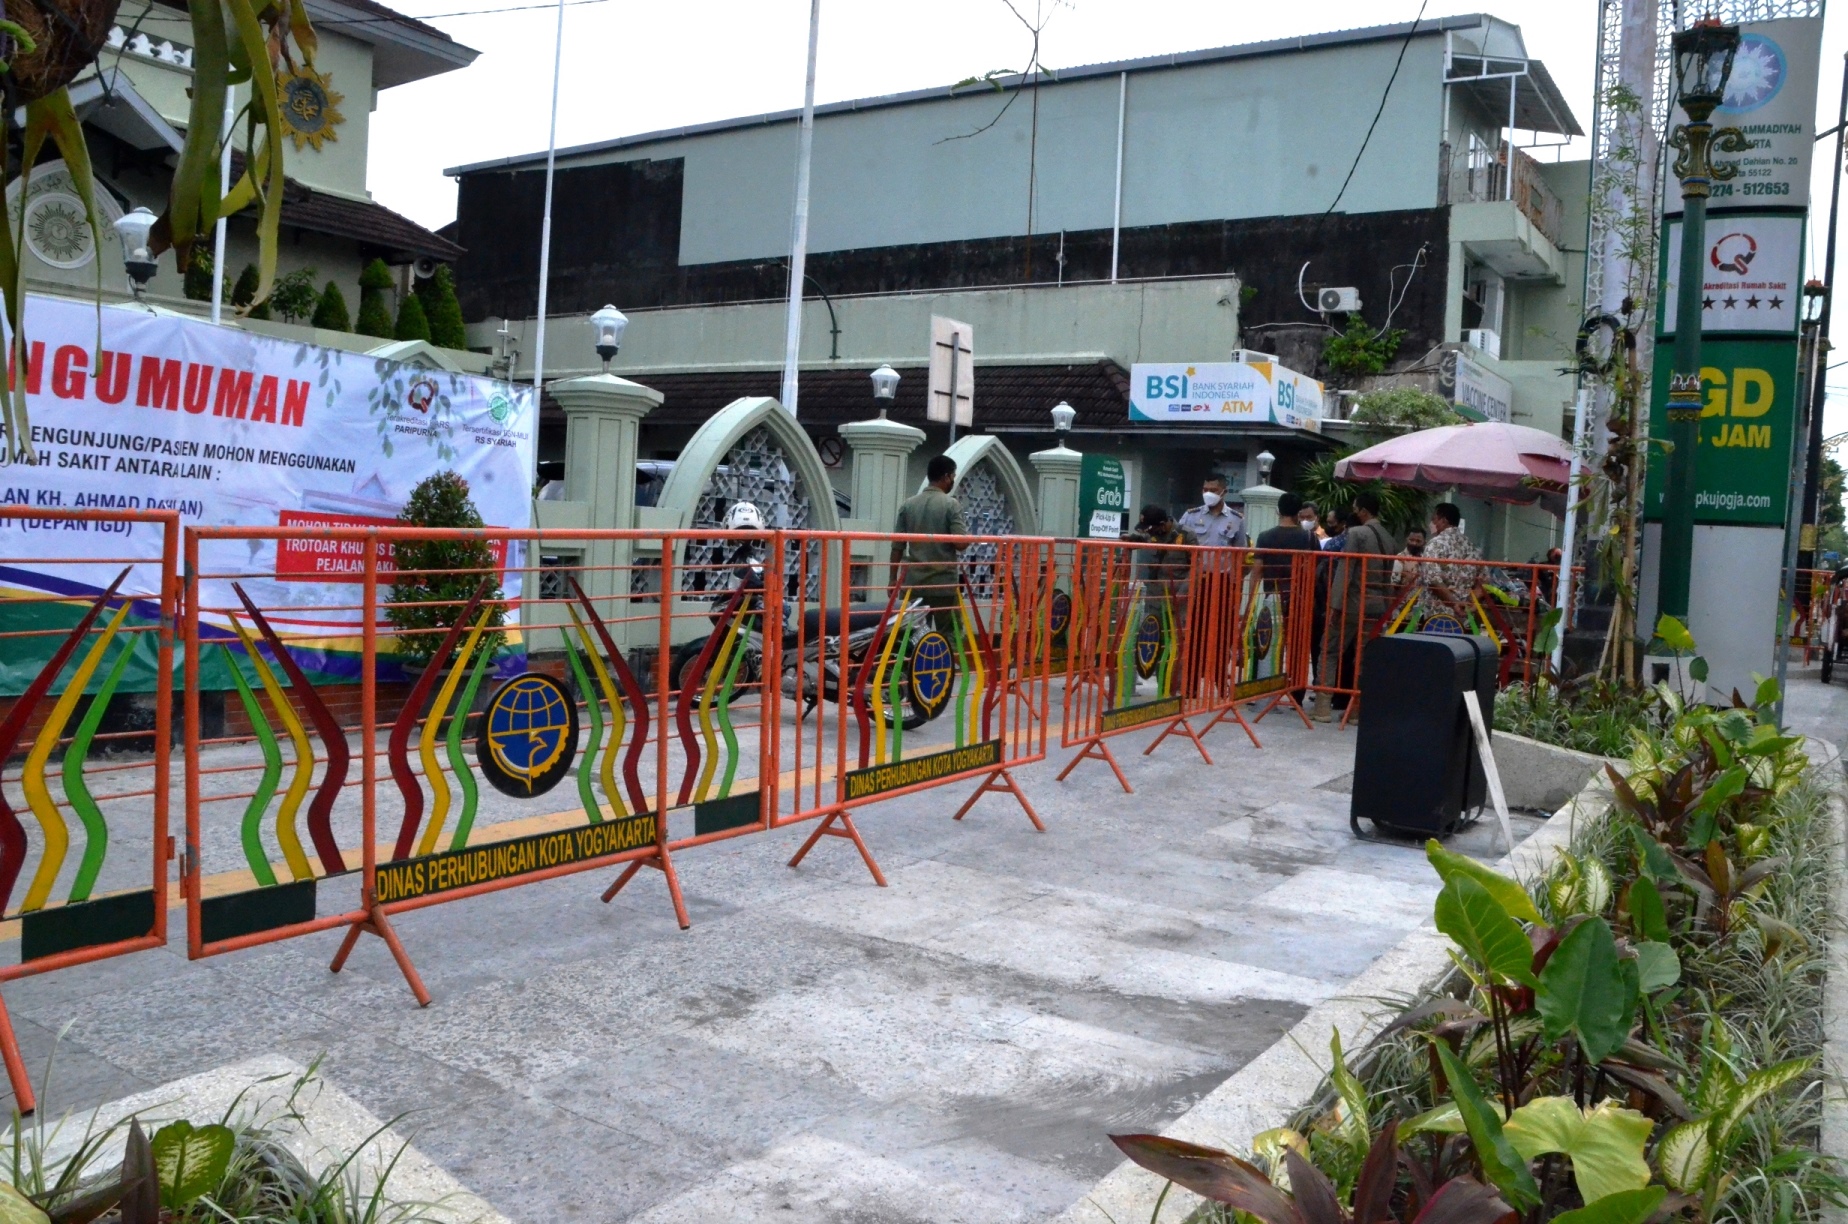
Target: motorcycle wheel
x: 687, y: 657
x: 909, y: 716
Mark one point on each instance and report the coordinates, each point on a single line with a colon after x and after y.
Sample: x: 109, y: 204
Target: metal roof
x: 1275, y: 46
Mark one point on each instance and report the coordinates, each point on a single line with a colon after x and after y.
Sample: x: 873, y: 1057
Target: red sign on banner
x: 342, y: 560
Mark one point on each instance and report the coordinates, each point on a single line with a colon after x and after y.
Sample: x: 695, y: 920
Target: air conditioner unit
x: 1486, y: 339
x: 1336, y: 300
x: 1247, y: 356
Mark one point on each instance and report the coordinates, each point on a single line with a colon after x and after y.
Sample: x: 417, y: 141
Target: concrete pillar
x: 881, y: 453
x: 1260, y: 508
x: 603, y: 417
x: 1059, y: 471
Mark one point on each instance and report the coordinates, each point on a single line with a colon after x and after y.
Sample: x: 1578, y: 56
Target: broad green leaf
x: 1501, y: 1164
x: 1582, y: 991
x: 1658, y: 864
x: 1767, y: 690
x: 1648, y: 918
x: 1657, y: 966
x: 191, y: 1160
x: 1685, y: 1156
x: 1605, y: 1144
x: 1630, y: 1207
x: 16, y: 1208
x: 1757, y: 1086
x: 1444, y: 1120
x: 1675, y: 635
x: 1469, y: 915
x: 1508, y: 893
x: 1697, y: 669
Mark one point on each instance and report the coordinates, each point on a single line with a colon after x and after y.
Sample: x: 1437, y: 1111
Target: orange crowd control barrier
x: 87, y: 609
x: 374, y: 749
x: 1168, y: 633
x: 1359, y: 596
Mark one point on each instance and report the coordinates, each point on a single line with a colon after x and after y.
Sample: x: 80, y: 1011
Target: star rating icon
x: 1751, y: 303
x: 1777, y: 303
x: 1730, y: 303
x: 1706, y: 303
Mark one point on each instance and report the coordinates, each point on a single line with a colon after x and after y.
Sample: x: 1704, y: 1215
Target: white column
x: 881, y: 454
x: 1059, y: 471
x: 1260, y: 508
x: 603, y: 418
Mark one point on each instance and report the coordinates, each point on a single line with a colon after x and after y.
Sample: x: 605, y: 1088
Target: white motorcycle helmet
x: 743, y: 516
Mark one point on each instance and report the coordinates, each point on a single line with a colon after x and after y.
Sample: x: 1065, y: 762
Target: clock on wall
x: 310, y: 108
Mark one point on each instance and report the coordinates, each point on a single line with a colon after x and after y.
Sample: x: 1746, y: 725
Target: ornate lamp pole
x: 1703, y: 59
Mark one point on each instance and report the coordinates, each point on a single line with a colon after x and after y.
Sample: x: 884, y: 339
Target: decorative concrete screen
x: 750, y: 450
x: 995, y: 501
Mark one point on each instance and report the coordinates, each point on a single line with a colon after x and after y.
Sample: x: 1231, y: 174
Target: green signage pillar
x: 1684, y: 402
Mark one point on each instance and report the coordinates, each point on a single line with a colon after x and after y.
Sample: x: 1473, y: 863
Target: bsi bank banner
x: 1225, y: 392
x: 235, y: 429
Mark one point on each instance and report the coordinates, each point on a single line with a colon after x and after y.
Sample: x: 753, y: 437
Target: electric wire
x: 1384, y: 95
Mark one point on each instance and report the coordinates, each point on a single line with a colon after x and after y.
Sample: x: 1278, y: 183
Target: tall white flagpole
x: 224, y: 189
x: 798, y: 254
x: 545, y: 229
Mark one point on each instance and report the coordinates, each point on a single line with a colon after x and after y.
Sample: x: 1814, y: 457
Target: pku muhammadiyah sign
x: 1225, y: 393
x: 232, y: 428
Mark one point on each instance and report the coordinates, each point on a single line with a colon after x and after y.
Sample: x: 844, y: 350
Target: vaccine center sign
x: 235, y: 429
x: 1225, y: 392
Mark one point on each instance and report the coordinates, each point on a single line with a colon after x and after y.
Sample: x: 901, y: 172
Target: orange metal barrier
x: 1360, y: 596
x: 1162, y: 634
x: 79, y: 625
x: 688, y: 661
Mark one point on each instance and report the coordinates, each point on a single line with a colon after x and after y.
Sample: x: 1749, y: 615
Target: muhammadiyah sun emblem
x: 310, y: 108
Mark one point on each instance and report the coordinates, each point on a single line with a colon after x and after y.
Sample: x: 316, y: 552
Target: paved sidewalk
x: 952, y: 1048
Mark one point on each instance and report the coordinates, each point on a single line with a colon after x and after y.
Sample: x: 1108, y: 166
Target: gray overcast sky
x: 635, y: 67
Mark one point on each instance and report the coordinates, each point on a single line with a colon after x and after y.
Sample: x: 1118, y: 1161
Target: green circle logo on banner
x: 1148, y: 644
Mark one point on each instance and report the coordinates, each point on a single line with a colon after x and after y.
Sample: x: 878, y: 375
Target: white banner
x: 1752, y: 274
x: 1771, y: 97
x: 232, y: 428
x: 1224, y: 392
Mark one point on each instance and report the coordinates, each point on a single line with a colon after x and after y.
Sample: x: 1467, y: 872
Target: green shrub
x: 1405, y: 406
x: 374, y: 315
x: 437, y: 578
x: 443, y: 310
x: 1358, y: 351
x: 197, y: 285
x: 245, y: 291
x: 412, y: 325
x: 293, y: 296
x: 330, y: 312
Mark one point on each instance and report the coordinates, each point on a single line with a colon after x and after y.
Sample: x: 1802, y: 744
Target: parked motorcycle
x: 812, y: 649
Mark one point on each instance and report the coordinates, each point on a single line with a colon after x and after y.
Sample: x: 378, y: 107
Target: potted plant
x: 437, y: 578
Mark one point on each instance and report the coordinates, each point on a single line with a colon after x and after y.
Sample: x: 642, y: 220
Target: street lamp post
x: 134, y: 228
x: 609, y: 324
x: 885, y: 388
x: 1063, y: 414
x: 1703, y: 59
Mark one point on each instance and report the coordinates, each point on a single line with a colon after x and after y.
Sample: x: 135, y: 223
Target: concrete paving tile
x: 1347, y: 894
x: 829, y: 1182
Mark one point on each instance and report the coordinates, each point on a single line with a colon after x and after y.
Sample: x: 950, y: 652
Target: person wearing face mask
x: 1213, y: 523
x: 1414, y: 547
x: 1310, y: 520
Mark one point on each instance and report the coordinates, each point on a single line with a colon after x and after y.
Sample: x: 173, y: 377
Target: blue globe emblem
x: 932, y: 672
x: 1148, y: 644
x: 528, y: 735
x: 1061, y: 614
x: 1758, y: 73
x: 1264, y: 631
x: 1442, y: 622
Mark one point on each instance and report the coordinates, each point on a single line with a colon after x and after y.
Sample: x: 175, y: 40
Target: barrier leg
x: 1286, y: 697
x: 826, y: 829
x: 15, y: 1065
x: 1232, y: 711
x: 376, y: 922
x: 1006, y: 785
x: 1182, y: 725
x: 663, y: 863
x: 1099, y: 749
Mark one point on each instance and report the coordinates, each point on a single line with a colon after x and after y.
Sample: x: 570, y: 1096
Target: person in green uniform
x: 929, y: 566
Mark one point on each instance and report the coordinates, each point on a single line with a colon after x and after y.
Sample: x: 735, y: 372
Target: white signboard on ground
x: 952, y: 371
x: 1752, y: 274
x: 1225, y: 393
x: 231, y: 428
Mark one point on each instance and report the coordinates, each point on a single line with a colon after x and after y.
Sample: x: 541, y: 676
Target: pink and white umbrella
x: 1486, y: 459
